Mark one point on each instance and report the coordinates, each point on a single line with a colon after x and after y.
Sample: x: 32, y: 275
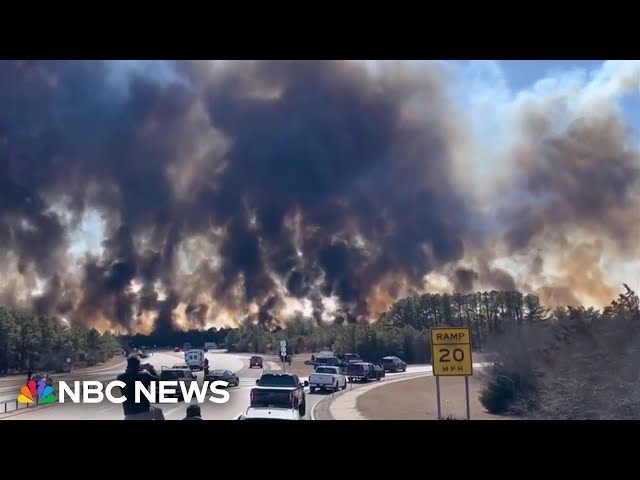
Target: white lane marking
x: 106, y: 410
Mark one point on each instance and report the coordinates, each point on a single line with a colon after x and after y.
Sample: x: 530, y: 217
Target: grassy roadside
x: 415, y: 399
x: 297, y: 366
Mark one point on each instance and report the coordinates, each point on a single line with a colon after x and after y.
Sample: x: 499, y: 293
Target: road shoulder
x: 416, y: 399
x: 342, y: 405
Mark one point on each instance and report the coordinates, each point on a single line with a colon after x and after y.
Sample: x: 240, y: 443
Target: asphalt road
x: 237, y: 404
x: 238, y: 401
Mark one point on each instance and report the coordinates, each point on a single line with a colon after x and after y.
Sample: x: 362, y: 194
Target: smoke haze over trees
x: 215, y: 193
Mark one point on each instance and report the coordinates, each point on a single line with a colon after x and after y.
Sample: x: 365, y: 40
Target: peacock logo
x: 44, y: 392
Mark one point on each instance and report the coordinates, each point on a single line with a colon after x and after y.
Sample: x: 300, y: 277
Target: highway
x: 237, y: 404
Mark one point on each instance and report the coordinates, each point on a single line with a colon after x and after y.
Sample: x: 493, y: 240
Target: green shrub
x: 509, y: 392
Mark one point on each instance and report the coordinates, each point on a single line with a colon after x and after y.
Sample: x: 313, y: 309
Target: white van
x: 194, y: 359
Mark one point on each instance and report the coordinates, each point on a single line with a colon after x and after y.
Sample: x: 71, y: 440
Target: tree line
x: 31, y: 340
x: 403, y: 330
x: 580, y: 364
x: 172, y: 339
x: 28, y: 340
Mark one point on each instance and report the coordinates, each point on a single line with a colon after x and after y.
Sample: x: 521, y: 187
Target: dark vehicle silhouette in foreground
x: 280, y: 390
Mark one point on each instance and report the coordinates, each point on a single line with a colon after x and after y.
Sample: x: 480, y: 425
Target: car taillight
x: 252, y: 395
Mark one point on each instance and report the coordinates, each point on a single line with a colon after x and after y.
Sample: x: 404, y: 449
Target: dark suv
x: 364, y: 372
x: 327, y: 362
x: 394, y: 364
x: 256, y: 361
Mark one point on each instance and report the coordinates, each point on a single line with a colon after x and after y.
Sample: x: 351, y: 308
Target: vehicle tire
x: 344, y: 387
x: 312, y: 389
x: 336, y: 388
x: 303, y: 409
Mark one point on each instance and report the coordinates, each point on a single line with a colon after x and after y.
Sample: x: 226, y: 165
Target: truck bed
x: 321, y: 379
x: 272, y: 397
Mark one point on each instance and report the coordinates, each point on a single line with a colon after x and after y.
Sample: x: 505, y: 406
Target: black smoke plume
x: 233, y: 186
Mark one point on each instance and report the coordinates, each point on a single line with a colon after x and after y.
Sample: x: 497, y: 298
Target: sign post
x: 451, y: 357
x: 283, y: 354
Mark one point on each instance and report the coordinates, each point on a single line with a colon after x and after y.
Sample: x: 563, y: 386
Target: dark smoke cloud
x: 586, y: 175
x: 464, y: 279
x: 167, y: 162
x: 240, y: 183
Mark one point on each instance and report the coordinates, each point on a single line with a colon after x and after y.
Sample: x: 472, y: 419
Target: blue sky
x: 523, y: 74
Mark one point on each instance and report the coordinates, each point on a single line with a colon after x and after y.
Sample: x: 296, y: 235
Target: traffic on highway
x: 259, y: 387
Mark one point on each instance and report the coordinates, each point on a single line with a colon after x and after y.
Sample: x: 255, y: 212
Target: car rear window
x: 325, y: 370
x: 277, y: 381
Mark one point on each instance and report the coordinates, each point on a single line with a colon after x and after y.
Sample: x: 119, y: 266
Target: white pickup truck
x: 327, y: 378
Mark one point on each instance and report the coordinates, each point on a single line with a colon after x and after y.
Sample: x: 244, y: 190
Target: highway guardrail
x: 6, y: 406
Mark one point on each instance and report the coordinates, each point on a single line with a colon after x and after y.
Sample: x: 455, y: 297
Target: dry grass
x: 297, y: 366
x: 415, y: 399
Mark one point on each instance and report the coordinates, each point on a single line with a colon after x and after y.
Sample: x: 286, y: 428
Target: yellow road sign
x: 451, y: 351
